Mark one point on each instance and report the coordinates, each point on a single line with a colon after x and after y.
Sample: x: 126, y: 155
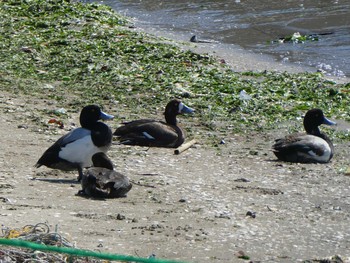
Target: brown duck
x: 155, y: 133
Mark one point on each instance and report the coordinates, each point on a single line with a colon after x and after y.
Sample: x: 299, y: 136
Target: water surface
x: 255, y: 25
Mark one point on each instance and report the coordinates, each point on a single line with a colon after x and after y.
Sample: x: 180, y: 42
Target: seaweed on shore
x: 75, y: 54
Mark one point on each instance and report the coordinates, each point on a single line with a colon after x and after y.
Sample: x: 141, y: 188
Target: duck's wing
x: 148, y: 133
x: 132, y: 126
x: 72, y: 136
x: 90, y: 187
x: 50, y: 157
x: 302, y: 148
x: 116, y: 184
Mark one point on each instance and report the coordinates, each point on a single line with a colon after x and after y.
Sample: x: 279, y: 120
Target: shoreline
x: 238, y: 58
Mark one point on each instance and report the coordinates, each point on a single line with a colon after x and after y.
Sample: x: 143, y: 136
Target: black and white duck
x: 74, y: 150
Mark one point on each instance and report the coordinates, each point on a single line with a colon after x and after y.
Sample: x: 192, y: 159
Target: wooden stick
x: 347, y: 172
x: 184, y: 147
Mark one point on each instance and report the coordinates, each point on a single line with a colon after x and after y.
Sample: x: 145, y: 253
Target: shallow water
x: 255, y: 25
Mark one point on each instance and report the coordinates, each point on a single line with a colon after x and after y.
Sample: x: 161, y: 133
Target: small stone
x: 251, y: 214
x: 120, y: 217
x: 242, y: 180
x: 242, y: 255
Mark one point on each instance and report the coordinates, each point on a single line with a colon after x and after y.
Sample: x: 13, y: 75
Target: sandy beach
x: 207, y: 204
x: 204, y: 205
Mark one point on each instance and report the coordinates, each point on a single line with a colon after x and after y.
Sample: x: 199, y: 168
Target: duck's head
x: 175, y: 107
x: 101, y: 160
x: 91, y: 114
x: 314, y: 118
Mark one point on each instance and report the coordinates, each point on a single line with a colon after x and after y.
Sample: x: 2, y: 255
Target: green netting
x: 80, y: 252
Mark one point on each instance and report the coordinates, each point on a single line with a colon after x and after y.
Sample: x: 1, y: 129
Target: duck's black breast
x: 101, y: 134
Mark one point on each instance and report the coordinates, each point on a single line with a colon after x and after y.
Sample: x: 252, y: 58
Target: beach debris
x: 243, y: 95
x: 224, y: 215
x: 242, y: 255
x: 39, y: 233
x: 22, y: 126
x: 152, y: 255
x: 251, y: 214
x: 347, y: 171
x: 242, y: 180
x: 333, y: 259
x: 184, y: 146
x: 297, y: 38
x: 60, y: 111
x: 194, y: 39
x: 58, y: 122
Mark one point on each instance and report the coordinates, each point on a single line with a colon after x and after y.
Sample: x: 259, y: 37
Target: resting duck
x: 154, y: 133
x: 75, y: 149
x: 101, y: 181
x: 312, y: 147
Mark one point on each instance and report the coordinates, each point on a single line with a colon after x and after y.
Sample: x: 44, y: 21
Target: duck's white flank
x: 80, y: 151
x: 320, y: 145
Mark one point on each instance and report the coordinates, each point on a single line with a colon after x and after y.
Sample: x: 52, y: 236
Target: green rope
x: 79, y: 252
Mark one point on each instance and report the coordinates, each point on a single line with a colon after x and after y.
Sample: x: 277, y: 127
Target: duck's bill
x: 328, y: 122
x: 185, y: 109
x: 105, y: 116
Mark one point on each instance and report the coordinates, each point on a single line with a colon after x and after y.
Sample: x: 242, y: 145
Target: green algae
x: 77, y: 54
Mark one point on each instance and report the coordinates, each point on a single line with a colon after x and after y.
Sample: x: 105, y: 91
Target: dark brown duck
x: 102, y: 181
x: 155, y: 133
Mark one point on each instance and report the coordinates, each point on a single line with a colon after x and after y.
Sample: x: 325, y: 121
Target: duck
x: 155, y: 133
x: 310, y: 147
x: 102, y: 181
x: 74, y: 150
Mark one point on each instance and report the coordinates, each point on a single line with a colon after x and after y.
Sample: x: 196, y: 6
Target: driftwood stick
x: 347, y: 172
x: 184, y: 147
